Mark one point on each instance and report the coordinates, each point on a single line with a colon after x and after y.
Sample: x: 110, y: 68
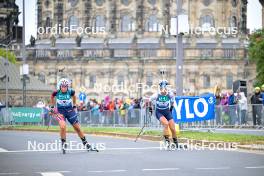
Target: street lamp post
x: 24, y: 76
x: 7, y: 79
x: 179, y: 52
x: 6, y: 73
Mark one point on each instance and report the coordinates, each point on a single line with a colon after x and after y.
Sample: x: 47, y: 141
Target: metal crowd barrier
x: 225, y: 116
x: 5, y: 117
x: 115, y: 118
x: 232, y: 116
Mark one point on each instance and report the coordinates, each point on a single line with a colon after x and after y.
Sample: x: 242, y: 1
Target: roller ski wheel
x: 91, y: 149
x: 167, y: 143
x: 64, y: 147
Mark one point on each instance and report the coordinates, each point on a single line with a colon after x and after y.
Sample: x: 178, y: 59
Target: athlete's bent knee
x: 77, y: 129
x: 166, y: 124
x: 63, y: 126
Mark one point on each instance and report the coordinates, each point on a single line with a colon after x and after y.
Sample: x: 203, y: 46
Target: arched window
x: 233, y: 21
x: 92, y: 81
x: 125, y: 2
x: 99, y: 22
x: 73, y: 2
x: 149, y: 80
x: 41, y: 77
x: 126, y: 24
x: 206, y: 21
x: 48, y: 23
x: 152, y: 24
x: 120, y: 80
x: 234, y: 3
x: 152, y: 2
x: 47, y: 3
x: 229, y: 81
x: 207, y: 2
x: 99, y: 2
x: 73, y: 21
x: 206, y: 81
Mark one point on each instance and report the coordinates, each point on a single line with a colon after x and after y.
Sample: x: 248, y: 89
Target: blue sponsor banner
x: 191, y: 109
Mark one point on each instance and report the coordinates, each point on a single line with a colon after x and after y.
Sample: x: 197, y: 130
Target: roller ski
x: 171, y: 145
x: 90, y: 148
x: 63, y: 146
x: 174, y: 145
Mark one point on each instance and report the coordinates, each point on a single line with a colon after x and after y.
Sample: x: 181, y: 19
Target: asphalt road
x: 120, y: 157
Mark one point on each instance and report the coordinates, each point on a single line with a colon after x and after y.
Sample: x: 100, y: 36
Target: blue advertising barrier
x: 191, y: 109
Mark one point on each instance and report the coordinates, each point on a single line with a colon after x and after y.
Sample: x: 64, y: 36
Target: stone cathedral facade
x: 127, y: 45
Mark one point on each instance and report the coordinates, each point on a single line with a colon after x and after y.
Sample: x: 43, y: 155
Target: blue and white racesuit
x: 163, y: 105
x: 65, y: 105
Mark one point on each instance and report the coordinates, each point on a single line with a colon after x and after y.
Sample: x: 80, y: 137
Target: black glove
x: 52, y: 109
x: 171, y: 108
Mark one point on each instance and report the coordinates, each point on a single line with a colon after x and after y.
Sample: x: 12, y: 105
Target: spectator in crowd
x: 123, y: 111
x: 218, y: 107
x: 1, y: 106
x: 111, y: 106
x: 262, y: 99
x: 81, y: 107
x: 88, y: 106
x: 256, y: 106
x: 110, y: 114
x: 105, y: 106
x: 232, y: 101
x: 262, y: 94
x: 95, y: 112
x: 242, y: 101
x: 136, y: 104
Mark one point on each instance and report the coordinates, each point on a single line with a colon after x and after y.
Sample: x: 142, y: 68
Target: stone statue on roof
x: 53, y: 41
x: 78, y: 40
x: 32, y: 41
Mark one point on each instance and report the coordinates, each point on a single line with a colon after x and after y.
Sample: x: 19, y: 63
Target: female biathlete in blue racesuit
x: 163, y: 102
x: 65, y: 100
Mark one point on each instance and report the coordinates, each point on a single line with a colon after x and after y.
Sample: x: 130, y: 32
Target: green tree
x: 256, y: 53
x: 10, y: 55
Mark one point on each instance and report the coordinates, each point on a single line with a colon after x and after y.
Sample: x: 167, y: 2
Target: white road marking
x: 3, y: 150
x: 53, y: 171
x: 213, y: 168
x: 161, y: 169
x: 51, y: 174
x: 125, y: 148
x: 133, y: 148
x: 255, y: 167
x: 15, y: 173
x: 107, y: 171
x: 26, y: 151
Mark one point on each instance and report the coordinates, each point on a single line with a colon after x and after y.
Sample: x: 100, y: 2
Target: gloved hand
x: 74, y: 108
x: 52, y: 109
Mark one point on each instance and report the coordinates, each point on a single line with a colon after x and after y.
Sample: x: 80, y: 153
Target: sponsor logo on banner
x: 191, y: 109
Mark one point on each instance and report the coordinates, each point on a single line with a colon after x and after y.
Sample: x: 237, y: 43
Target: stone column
x: 262, y: 4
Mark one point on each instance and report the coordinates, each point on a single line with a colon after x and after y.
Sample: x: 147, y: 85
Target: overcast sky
x: 253, y: 21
